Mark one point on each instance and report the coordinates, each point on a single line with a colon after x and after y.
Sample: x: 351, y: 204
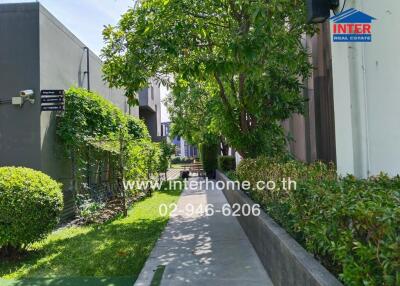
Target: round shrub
x: 30, y: 205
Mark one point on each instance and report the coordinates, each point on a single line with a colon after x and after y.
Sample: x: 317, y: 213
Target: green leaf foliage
x: 89, y: 116
x: 30, y: 206
x: 352, y: 226
x: 192, y: 111
x: 209, y: 156
x: 167, y: 150
x: 105, y: 145
x: 226, y: 163
x: 109, y: 254
x: 243, y: 58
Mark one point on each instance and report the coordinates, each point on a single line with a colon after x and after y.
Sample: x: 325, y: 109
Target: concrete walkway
x: 173, y: 174
x: 200, y: 250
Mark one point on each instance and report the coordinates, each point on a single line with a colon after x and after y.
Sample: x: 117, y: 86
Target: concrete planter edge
x: 285, y: 260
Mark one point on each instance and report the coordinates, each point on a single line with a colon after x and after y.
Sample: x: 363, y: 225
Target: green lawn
x: 109, y: 254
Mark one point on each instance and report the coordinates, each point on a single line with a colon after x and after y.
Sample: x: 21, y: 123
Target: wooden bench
x: 195, y: 169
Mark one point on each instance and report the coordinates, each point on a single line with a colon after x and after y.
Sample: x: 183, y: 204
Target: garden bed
x: 350, y: 225
x: 112, y: 209
x: 285, y: 260
x: 108, y: 254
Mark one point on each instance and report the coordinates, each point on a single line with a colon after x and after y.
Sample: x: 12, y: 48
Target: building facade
x: 38, y: 53
x: 366, y: 84
x: 150, y: 110
x: 313, y: 133
x: 352, y: 117
x: 183, y: 148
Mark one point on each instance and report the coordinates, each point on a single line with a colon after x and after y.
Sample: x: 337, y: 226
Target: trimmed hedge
x: 179, y: 160
x: 30, y: 205
x: 226, y: 163
x: 352, y: 226
x: 209, y: 158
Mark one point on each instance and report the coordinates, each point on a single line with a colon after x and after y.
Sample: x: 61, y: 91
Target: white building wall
x: 182, y: 148
x: 366, y: 80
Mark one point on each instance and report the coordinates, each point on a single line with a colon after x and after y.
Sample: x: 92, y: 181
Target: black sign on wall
x: 52, y: 100
x: 49, y: 92
x: 52, y: 107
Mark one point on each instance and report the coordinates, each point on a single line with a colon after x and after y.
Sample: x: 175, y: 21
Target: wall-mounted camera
x: 24, y: 95
x: 319, y: 10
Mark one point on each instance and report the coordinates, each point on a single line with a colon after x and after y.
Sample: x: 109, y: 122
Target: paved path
x: 200, y: 250
x: 173, y: 174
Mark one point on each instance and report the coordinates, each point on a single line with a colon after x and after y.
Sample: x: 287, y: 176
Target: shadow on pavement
x: 68, y: 281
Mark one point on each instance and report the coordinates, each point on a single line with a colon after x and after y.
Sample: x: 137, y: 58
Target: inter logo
x: 352, y: 26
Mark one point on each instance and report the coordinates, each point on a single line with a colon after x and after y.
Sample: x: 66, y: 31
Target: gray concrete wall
x: 63, y: 63
x: 145, y: 99
x: 287, y: 263
x: 157, y: 104
x: 37, y: 52
x: 19, y: 70
x: 150, y: 109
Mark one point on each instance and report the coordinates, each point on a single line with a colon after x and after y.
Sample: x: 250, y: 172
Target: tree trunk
x: 122, y: 170
x: 224, y: 148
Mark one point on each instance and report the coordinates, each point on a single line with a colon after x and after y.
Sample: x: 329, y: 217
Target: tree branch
x: 222, y: 92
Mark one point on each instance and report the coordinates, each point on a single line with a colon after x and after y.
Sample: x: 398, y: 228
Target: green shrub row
x: 30, y: 206
x: 179, y: 160
x: 226, y: 163
x: 352, y: 226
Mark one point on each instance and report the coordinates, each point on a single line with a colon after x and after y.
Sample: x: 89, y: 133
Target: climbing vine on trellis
x: 105, y: 147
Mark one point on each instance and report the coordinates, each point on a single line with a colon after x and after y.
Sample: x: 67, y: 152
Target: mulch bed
x: 112, y: 210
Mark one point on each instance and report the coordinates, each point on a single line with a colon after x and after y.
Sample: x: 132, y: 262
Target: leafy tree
x: 167, y: 150
x: 248, y: 51
x: 191, y: 107
x: 193, y: 110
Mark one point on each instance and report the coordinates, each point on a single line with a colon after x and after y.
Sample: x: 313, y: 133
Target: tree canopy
x: 192, y: 112
x: 246, y: 57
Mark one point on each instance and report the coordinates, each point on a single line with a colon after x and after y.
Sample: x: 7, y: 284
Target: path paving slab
x: 204, y: 250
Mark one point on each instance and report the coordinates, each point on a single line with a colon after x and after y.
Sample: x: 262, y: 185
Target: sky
x: 86, y: 19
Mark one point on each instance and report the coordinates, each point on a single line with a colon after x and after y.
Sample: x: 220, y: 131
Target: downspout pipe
x: 87, y: 72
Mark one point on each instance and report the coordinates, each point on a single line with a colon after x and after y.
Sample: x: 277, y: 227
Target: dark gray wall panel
x: 19, y: 70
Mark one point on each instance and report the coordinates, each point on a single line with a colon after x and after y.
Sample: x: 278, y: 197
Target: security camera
x: 26, y: 93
